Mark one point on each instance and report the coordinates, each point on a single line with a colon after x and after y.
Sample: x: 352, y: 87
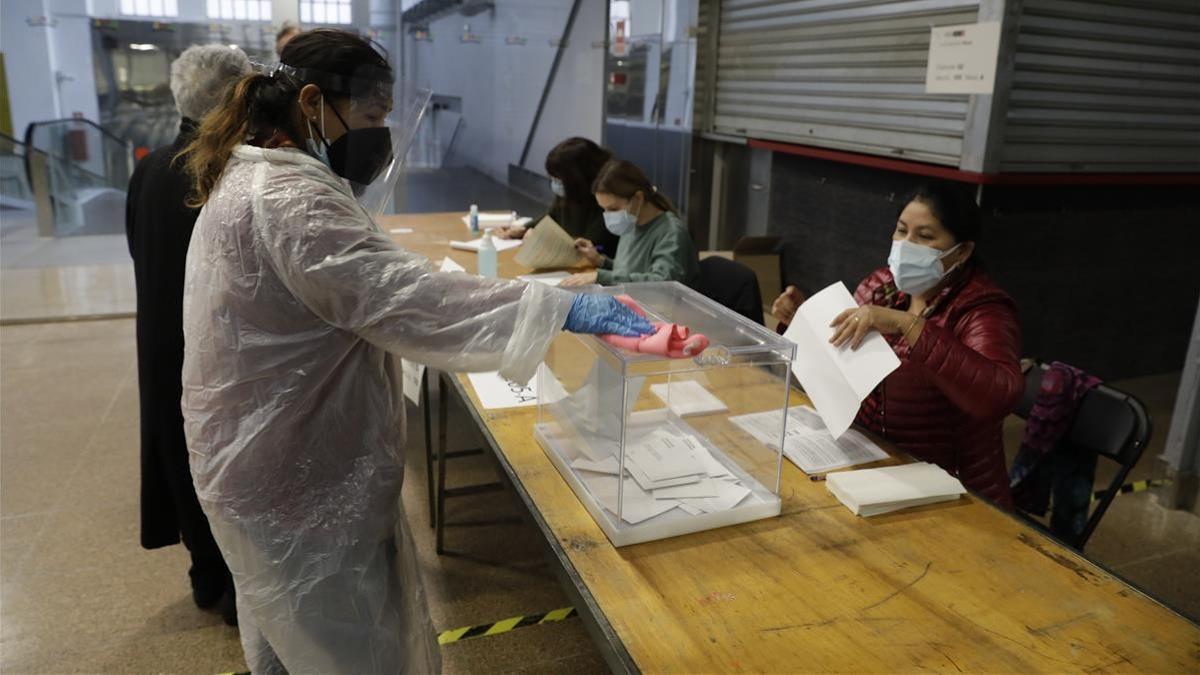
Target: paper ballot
x: 688, y: 397
x: 836, y: 379
x: 548, y: 278
x: 474, y: 244
x: 870, y: 492
x: 449, y: 265
x: 548, y: 245
x: 496, y: 392
x: 808, y: 444
x: 487, y: 220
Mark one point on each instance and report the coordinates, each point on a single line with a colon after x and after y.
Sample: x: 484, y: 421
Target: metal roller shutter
x: 845, y: 74
x: 1105, y: 86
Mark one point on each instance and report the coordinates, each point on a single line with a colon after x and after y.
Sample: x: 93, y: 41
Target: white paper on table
x: 890, y: 488
x: 449, y: 265
x: 608, y: 465
x: 636, y: 504
x: 487, y: 220
x: 410, y: 377
x: 474, y: 244
x: 497, y: 392
x: 705, y: 487
x: 548, y: 278
x: 808, y: 444
x: 836, y: 379
x: 548, y: 245
x: 688, y: 397
x: 401, y: 230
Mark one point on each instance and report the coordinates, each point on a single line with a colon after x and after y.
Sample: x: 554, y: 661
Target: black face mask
x: 359, y: 155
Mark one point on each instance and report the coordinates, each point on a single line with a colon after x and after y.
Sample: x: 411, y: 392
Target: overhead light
x: 142, y: 47
x: 233, y: 46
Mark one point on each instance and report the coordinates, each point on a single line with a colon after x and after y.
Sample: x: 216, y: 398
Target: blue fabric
x: 603, y: 315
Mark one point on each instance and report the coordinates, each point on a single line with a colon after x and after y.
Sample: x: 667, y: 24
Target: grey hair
x: 201, y: 74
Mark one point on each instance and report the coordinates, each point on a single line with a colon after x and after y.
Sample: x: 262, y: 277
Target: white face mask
x: 557, y: 188
x: 620, y: 222
x: 917, y: 268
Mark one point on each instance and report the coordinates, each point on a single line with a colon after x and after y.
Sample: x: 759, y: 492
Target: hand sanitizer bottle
x: 487, y: 255
x: 474, y: 218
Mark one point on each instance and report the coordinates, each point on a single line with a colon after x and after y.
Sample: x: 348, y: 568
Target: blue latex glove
x: 603, y: 315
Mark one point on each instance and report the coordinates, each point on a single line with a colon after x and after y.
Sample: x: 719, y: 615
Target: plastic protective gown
x: 296, y: 305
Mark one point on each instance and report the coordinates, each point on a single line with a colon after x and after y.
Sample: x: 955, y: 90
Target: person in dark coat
x: 158, y: 226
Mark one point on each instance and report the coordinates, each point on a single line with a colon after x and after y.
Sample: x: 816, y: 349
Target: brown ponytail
x: 624, y: 179
x: 223, y: 129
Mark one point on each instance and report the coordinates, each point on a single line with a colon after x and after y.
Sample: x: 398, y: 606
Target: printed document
x: 547, y: 246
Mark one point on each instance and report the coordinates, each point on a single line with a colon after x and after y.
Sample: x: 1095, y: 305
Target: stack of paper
x: 870, y: 492
x: 494, y: 220
x: 688, y: 397
x: 664, y: 470
x: 836, y: 379
x: 449, y: 265
x: 548, y: 245
x: 474, y: 244
x: 808, y: 443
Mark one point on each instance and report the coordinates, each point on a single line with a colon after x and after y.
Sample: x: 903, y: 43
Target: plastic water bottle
x: 487, y: 256
x: 474, y: 218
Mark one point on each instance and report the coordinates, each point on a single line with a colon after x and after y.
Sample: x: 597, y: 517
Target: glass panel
x: 306, y: 13
x: 142, y: 7
x: 265, y: 10
x: 214, y: 9
x: 226, y: 9
x: 239, y: 9
x: 127, y: 6
x: 252, y: 10
x: 319, y: 12
x: 172, y: 7
x: 344, y: 14
x: 156, y: 7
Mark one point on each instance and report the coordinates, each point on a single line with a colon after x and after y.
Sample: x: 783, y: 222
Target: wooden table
x: 954, y: 587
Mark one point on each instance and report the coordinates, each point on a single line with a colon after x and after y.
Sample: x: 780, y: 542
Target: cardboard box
x: 760, y: 254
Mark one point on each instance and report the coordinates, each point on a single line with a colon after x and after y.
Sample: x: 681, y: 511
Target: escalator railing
x: 84, y: 171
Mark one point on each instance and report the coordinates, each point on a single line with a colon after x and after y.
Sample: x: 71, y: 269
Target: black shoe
x: 209, y: 583
x: 228, y: 607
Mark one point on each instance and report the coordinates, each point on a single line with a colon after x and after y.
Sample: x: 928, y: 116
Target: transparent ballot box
x: 656, y: 447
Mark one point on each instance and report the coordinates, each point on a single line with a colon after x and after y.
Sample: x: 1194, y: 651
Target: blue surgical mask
x: 619, y: 222
x: 916, y: 268
x: 557, y: 188
x: 318, y: 148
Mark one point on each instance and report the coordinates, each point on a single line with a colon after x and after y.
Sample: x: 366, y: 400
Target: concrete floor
x: 78, y: 594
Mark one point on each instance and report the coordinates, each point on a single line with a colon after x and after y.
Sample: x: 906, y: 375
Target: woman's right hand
x: 605, y: 315
x: 785, y: 306
x: 588, y: 250
x: 513, y: 232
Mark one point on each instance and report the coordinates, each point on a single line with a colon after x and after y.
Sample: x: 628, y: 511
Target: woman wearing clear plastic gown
x: 296, y: 307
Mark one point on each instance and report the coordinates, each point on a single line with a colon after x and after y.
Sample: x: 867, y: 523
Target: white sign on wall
x: 962, y: 59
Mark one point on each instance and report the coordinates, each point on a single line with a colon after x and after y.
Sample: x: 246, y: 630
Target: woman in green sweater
x: 654, y: 245
x: 572, y: 166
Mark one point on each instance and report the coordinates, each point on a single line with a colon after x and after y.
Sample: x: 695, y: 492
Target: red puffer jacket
x: 947, y: 401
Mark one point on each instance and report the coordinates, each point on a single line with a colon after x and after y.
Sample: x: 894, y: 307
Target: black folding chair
x: 1110, y: 423
x: 733, y: 285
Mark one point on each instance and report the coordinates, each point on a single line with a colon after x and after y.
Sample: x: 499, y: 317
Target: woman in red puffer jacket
x: 957, y: 337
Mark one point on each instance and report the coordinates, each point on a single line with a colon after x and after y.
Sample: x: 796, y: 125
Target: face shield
x: 382, y: 121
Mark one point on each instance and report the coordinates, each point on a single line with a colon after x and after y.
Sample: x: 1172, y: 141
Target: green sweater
x: 660, y: 250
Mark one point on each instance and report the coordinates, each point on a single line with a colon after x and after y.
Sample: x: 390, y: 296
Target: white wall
x: 501, y: 84
x: 29, y: 62
x: 71, y: 48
